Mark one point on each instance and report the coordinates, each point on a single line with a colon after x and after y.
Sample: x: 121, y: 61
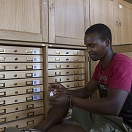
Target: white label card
x: 35, y: 82
x: 36, y: 97
x: 36, y: 90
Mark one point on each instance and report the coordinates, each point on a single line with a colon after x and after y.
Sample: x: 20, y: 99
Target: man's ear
x: 107, y: 42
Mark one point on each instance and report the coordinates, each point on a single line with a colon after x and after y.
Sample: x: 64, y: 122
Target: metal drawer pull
x: 57, y: 52
x: 29, y: 83
x: 58, y: 80
x: 57, y: 59
x: 57, y: 66
x: 2, y: 102
x: 2, y: 67
x: 2, y: 58
x: 57, y: 73
x: 2, y: 93
x: 30, y: 122
x: 3, y: 111
x: 16, y: 92
x: 29, y: 98
x: 29, y: 67
x: 15, y: 50
x: 76, y: 85
x: 2, y: 84
x: 29, y: 59
x: 30, y: 114
x: 2, y: 76
x: 75, y: 53
x: 29, y: 90
x: 29, y: 74
x: 16, y: 59
x: 76, y: 78
x: 2, y: 120
x: 16, y: 67
x: 2, y: 50
x: 15, y: 75
x: 30, y: 106
x: 29, y: 51
x: 34, y: 82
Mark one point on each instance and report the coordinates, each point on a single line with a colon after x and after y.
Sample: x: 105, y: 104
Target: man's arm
x: 110, y: 105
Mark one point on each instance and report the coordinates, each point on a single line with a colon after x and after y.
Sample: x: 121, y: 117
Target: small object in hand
x: 51, y: 94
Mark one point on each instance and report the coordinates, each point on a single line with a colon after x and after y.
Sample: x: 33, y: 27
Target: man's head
x: 98, y: 40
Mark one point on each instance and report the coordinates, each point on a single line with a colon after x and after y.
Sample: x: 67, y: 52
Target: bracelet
x: 70, y: 100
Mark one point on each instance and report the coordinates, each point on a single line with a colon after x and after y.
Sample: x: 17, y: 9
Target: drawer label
x: 36, y: 67
x: 35, y: 82
x: 35, y: 59
x: 36, y: 97
x: 36, y: 52
x: 36, y: 90
x: 36, y: 75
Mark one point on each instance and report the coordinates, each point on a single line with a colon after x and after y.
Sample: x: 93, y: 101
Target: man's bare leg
x: 55, y: 115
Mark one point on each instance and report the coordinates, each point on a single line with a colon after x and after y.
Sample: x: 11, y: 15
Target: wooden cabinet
x: 24, y: 20
x: 122, y: 23
x: 68, y: 21
x: 102, y: 11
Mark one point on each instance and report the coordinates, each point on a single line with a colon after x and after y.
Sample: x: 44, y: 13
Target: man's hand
x: 59, y: 100
x: 59, y: 88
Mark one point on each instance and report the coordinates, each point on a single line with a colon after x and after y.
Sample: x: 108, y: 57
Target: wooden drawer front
x: 21, y: 90
x: 65, y: 65
x: 29, y: 122
x: 20, y: 98
x: 20, y: 58
x: 74, y: 84
x: 20, y: 74
x: 65, y: 72
x: 20, y: 50
x: 20, y: 107
x: 21, y: 115
x: 66, y: 59
x: 66, y: 78
x: 65, y: 52
x: 20, y: 66
x: 20, y: 82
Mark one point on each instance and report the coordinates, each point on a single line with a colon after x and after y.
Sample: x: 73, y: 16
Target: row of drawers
x: 28, y: 123
x: 34, y: 50
x: 37, y: 66
x: 38, y: 58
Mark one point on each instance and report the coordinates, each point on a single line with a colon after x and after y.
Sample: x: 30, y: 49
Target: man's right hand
x: 59, y: 88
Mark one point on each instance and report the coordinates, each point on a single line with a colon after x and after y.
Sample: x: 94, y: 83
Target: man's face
x: 95, y: 46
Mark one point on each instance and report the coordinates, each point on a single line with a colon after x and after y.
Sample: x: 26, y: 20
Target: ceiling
x: 130, y: 1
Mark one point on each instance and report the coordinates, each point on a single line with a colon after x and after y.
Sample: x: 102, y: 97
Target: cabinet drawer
x: 20, y: 82
x: 65, y: 72
x: 66, y: 59
x: 20, y: 107
x: 65, y: 52
x: 20, y: 50
x: 20, y: 66
x: 65, y: 65
x: 29, y: 122
x: 20, y: 58
x: 59, y: 79
x: 75, y: 84
x: 20, y: 98
x: 21, y: 115
x: 20, y: 74
x: 21, y: 90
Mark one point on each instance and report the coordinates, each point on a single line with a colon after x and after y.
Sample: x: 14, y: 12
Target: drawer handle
x: 29, y: 83
x: 16, y: 100
x: 57, y: 52
x: 29, y: 98
x: 57, y: 73
x: 29, y: 90
x: 68, y: 86
x: 29, y: 51
x: 16, y: 92
x: 2, y: 84
x: 16, y: 67
x: 29, y: 67
x: 30, y: 106
x: 3, y: 111
x: 76, y: 85
x: 67, y: 59
x: 2, y: 129
x: 15, y: 84
x: 2, y: 67
x: 76, y: 59
x: 2, y: 102
x: 57, y: 66
x: 2, y: 76
x: 67, y: 52
x: 2, y: 50
x: 67, y: 72
x: 57, y: 59
x: 67, y: 79
x: 17, y: 117
x: 15, y: 75
x: 30, y: 114
x: 30, y: 122
x: 67, y: 65
x: 2, y: 93
x: 75, y: 53
x: 29, y: 59
x: 29, y: 75
x: 2, y: 58
x: 58, y: 80
x: 2, y: 120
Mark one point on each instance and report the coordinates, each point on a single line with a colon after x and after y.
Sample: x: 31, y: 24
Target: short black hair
x: 102, y: 30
